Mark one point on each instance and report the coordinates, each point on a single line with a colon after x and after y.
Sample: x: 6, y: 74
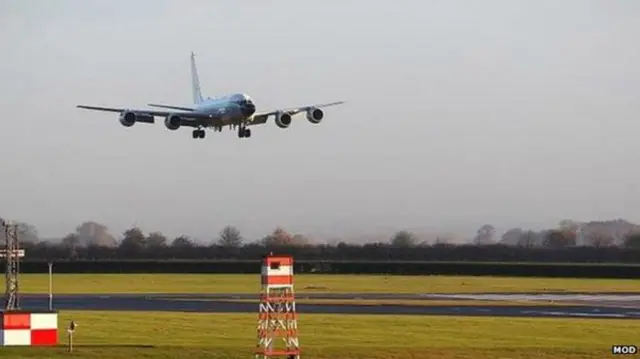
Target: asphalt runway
x: 618, y: 306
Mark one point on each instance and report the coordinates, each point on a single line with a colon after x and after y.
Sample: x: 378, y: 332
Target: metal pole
x: 70, y: 330
x: 50, y: 286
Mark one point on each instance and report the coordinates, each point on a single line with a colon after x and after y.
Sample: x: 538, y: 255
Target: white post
x: 70, y: 340
x: 70, y: 330
x: 50, y: 286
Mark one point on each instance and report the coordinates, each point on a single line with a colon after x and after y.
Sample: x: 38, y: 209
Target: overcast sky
x: 458, y: 113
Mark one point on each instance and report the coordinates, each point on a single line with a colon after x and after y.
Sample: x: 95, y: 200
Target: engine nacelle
x: 129, y: 118
x: 283, y: 120
x: 172, y: 122
x: 315, y: 115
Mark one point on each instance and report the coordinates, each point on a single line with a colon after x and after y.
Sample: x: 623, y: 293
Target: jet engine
x: 172, y: 122
x: 283, y: 120
x: 315, y: 115
x: 129, y: 118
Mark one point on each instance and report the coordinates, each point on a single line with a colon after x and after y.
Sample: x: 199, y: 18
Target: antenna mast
x: 12, y: 253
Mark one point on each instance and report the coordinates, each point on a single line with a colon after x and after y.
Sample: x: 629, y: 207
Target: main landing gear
x: 244, y: 132
x: 199, y: 133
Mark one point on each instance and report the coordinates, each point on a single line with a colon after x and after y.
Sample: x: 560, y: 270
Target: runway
x: 618, y: 306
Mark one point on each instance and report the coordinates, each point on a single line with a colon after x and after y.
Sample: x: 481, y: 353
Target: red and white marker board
x: 25, y: 328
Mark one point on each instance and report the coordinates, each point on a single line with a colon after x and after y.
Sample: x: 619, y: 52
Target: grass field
x: 223, y: 283
x: 161, y: 335
x: 116, y: 335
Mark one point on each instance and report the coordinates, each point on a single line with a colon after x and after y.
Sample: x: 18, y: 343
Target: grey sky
x: 459, y: 113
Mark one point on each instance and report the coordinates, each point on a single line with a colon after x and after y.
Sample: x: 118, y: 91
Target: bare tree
x: 558, y: 239
x: 632, y: 241
x: 133, y: 241
x: 282, y: 236
x: 568, y: 225
x: 71, y: 242
x: 512, y: 236
x: 279, y: 237
x: 230, y: 237
x: 182, y: 242
x: 27, y: 232
x: 484, y: 235
x: 528, y: 239
x: 600, y: 239
x: 300, y: 240
x: 403, y: 239
x: 94, y: 233
x: 156, y: 240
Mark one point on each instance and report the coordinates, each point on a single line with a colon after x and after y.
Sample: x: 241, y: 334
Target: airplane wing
x: 171, y: 107
x: 261, y: 117
x: 192, y: 119
x: 111, y: 109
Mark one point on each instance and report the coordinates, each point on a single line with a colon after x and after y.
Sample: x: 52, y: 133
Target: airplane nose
x: 248, y: 109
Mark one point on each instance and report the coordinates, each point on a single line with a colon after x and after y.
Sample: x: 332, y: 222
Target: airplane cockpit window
x: 241, y: 99
x: 238, y: 97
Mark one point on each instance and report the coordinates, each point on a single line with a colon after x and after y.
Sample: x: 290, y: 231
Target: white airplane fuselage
x: 235, y: 108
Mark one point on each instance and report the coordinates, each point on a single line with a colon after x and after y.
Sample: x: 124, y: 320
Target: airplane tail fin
x: 195, y: 82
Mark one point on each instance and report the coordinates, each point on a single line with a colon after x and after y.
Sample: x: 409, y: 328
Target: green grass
x: 115, y: 335
x: 250, y: 283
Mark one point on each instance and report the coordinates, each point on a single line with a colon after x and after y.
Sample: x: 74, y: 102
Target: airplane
x: 235, y: 110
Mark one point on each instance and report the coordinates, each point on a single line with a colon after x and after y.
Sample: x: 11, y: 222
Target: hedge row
x: 344, y: 267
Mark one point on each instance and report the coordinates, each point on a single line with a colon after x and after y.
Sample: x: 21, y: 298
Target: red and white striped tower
x: 277, y: 318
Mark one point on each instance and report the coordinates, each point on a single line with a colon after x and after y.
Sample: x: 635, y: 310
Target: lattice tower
x: 277, y: 318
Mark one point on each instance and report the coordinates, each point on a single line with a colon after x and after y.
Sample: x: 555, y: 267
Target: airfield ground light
x: 70, y: 330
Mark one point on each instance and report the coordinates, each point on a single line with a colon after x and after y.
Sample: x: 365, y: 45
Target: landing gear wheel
x: 244, y: 132
x: 198, y: 134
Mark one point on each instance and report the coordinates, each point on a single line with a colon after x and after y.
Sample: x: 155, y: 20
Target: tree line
x: 91, y: 241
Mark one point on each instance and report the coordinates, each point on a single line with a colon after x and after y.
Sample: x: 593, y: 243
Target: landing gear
x: 244, y: 132
x: 198, y: 133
